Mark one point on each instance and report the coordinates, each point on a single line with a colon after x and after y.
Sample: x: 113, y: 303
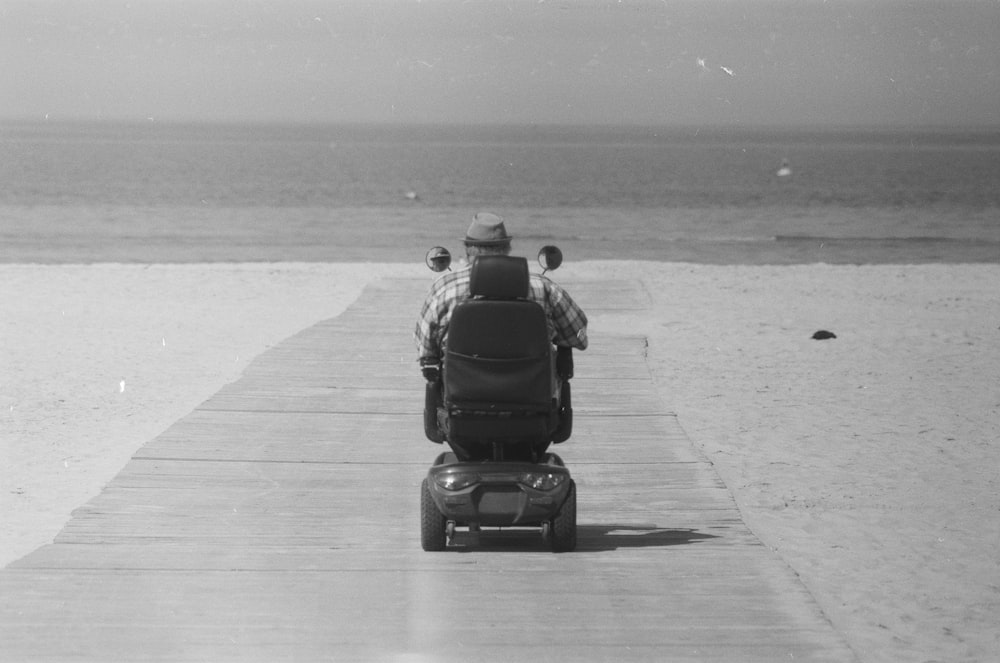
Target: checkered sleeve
x: 568, y: 319
x: 424, y: 333
x: 432, y: 325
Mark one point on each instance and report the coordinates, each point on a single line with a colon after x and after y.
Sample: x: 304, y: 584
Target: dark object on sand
x: 823, y: 334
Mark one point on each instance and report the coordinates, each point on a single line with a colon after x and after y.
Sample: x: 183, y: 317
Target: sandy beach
x: 868, y: 462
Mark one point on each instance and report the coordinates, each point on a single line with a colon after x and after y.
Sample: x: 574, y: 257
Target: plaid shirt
x: 567, y: 322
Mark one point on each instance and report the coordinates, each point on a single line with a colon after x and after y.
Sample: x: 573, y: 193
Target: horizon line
x: 393, y: 124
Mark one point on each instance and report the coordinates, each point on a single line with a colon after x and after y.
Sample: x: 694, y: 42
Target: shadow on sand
x: 590, y: 538
x: 612, y: 537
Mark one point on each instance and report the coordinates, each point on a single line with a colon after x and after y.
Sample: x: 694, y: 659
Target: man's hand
x: 431, y: 368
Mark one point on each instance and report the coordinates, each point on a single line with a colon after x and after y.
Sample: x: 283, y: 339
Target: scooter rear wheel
x: 562, y: 533
x: 433, y: 525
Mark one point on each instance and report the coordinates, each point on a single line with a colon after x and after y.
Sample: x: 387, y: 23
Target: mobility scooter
x: 499, y: 398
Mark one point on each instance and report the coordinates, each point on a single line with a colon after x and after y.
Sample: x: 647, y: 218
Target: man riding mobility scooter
x: 499, y: 397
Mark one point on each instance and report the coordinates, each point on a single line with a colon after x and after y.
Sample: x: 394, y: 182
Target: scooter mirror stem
x: 438, y: 259
x: 549, y: 257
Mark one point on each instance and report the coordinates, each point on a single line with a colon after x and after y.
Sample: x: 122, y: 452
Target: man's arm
x: 424, y: 333
x: 569, y: 319
x: 434, y: 315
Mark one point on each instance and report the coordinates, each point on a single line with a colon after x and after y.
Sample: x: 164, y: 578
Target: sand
x: 870, y: 463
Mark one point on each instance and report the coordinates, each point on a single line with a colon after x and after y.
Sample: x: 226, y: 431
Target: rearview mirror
x: 550, y: 257
x: 438, y: 259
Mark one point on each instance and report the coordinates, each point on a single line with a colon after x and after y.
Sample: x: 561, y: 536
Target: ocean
x: 104, y: 192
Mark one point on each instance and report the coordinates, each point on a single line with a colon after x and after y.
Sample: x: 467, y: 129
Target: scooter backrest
x: 499, y: 277
x: 498, y: 350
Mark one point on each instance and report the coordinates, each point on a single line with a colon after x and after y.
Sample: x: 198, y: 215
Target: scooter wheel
x: 433, y: 525
x: 562, y: 532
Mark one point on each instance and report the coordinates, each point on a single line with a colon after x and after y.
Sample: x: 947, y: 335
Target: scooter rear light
x: 542, y: 480
x: 456, y: 480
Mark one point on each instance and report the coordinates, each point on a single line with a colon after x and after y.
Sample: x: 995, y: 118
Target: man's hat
x: 487, y: 229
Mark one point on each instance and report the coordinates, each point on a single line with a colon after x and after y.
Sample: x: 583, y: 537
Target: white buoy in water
x: 785, y: 169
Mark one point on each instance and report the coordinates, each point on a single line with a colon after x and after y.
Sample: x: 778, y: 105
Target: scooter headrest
x: 499, y: 277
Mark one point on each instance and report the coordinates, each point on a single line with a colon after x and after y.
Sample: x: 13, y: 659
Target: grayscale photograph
x: 437, y: 331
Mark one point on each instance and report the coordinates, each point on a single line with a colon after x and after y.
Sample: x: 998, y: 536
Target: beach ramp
x: 279, y: 521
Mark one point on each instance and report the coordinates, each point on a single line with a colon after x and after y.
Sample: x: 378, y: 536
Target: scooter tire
x: 433, y: 525
x: 562, y: 532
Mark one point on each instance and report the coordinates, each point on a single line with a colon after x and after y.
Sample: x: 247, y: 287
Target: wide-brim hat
x: 487, y: 229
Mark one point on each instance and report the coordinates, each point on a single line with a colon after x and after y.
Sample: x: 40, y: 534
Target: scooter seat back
x: 498, y: 367
x: 494, y: 360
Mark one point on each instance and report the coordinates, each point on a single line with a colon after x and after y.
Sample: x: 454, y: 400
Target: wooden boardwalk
x: 279, y: 521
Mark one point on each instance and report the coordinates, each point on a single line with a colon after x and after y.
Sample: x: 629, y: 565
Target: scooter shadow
x: 597, y: 538
x: 589, y: 538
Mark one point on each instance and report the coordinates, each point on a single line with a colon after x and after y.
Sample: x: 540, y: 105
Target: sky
x: 619, y: 62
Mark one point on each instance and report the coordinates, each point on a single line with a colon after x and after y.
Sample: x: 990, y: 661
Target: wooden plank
x: 293, y: 437
x: 317, y: 437
x: 341, y: 616
x: 333, y: 365
x: 403, y: 369
x: 232, y: 614
x: 310, y: 398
